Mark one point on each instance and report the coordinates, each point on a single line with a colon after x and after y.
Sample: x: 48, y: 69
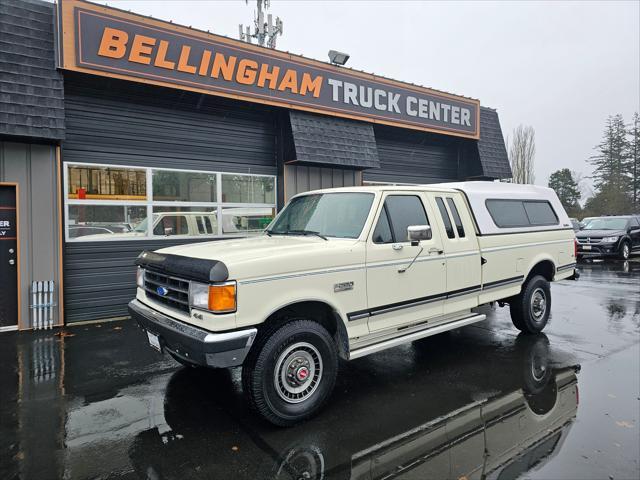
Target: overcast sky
x: 560, y: 67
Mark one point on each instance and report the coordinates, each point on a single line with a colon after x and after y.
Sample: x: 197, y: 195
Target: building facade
x: 120, y: 133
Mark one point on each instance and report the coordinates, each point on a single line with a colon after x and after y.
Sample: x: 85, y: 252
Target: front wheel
x: 290, y: 372
x: 530, y: 309
x: 625, y: 251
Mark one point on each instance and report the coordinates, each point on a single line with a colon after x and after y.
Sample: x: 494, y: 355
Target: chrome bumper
x: 192, y: 344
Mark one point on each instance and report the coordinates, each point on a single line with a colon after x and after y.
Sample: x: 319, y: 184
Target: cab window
x: 398, y: 213
x: 456, y: 216
x: 448, y: 227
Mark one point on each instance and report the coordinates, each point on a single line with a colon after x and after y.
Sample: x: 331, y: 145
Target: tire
x: 291, y: 371
x: 530, y: 309
x: 625, y: 251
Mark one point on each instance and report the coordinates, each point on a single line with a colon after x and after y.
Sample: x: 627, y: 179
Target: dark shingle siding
x: 31, y: 89
x: 491, y: 147
x: 333, y: 141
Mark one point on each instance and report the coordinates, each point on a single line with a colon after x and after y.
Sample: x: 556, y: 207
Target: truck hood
x: 263, y: 255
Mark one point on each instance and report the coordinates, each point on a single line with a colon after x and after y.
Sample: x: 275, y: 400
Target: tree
x: 566, y: 186
x: 608, y: 201
x: 634, y: 156
x: 612, y: 166
x: 522, y: 152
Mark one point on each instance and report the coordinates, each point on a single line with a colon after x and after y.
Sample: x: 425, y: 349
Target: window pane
x: 183, y: 186
x: 97, y: 222
x: 405, y: 210
x: 340, y: 215
x: 382, y: 233
x: 248, y: 189
x: 245, y: 221
x: 445, y: 218
x: 107, y: 183
x: 540, y: 213
x: 508, y: 213
x: 169, y: 221
x: 456, y: 216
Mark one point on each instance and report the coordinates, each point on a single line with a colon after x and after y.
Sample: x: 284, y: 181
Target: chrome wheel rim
x: 538, y: 304
x: 298, y: 372
x: 625, y: 251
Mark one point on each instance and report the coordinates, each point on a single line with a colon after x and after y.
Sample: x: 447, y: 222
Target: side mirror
x: 168, y: 231
x: 416, y: 233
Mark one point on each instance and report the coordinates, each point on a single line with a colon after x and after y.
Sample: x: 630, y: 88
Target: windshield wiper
x: 307, y: 232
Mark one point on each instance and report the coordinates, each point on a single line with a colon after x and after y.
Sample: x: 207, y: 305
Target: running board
x: 427, y: 332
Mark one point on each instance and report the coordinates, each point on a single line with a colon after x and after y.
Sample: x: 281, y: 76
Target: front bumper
x: 192, y: 344
x: 598, y: 250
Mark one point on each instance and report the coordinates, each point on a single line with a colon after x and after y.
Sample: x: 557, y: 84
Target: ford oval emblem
x: 162, y: 291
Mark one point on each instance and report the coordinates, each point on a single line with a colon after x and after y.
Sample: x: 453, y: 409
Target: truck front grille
x: 589, y: 240
x: 170, y: 291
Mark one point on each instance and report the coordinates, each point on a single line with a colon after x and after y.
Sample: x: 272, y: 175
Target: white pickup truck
x: 343, y: 273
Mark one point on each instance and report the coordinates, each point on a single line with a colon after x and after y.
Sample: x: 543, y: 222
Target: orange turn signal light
x: 222, y: 298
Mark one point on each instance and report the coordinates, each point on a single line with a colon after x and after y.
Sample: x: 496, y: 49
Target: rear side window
x: 399, y: 212
x: 445, y: 218
x: 456, y: 217
x: 540, y: 213
x: 521, y: 213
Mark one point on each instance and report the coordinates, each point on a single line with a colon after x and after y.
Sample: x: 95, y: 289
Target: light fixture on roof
x: 338, y: 58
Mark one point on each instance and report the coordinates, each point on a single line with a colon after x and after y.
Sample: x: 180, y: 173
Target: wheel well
x: 546, y: 268
x: 316, y: 311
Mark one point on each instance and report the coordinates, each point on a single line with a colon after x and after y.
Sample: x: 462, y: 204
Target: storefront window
x: 107, y: 183
x: 169, y: 185
x: 247, y: 221
x: 94, y: 222
x: 248, y: 189
x: 116, y: 203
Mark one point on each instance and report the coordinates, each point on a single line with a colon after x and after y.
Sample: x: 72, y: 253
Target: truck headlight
x: 610, y: 239
x: 220, y: 298
x: 140, y: 277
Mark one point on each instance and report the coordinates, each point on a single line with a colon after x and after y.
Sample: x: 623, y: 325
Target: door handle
x: 435, y: 250
x: 397, y: 246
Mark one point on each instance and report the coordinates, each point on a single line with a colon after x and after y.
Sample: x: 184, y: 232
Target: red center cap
x: 302, y: 373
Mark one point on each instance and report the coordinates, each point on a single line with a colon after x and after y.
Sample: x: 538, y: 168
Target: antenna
x: 264, y: 32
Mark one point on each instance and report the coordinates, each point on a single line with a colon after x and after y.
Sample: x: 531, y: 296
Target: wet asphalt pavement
x: 479, y: 402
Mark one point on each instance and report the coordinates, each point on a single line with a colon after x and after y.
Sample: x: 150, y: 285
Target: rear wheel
x: 290, y: 372
x: 530, y: 309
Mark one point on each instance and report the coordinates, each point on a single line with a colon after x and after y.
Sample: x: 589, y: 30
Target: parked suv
x: 349, y: 272
x: 617, y: 236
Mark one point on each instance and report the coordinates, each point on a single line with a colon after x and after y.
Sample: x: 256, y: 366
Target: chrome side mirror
x: 417, y: 233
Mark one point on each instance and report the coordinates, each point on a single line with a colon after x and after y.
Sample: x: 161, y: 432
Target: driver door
x: 400, y: 298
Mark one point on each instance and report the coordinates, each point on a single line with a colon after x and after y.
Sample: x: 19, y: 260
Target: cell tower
x: 264, y: 32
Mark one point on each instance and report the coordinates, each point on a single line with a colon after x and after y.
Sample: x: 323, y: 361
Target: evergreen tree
x: 566, y: 187
x: 612, y: 161
x: 634, y: 156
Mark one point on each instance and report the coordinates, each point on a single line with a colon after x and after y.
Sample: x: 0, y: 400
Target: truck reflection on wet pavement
x: 479, y: 402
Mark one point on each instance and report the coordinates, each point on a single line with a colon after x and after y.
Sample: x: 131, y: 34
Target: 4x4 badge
x: 341, y: 287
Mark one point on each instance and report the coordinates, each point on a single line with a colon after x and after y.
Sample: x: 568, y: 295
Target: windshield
x: 340, y: 215
x: 607, y: 224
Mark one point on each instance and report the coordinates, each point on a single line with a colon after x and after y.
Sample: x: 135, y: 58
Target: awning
x: 322, y: 140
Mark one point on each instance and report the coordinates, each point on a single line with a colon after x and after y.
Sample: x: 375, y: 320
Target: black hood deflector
x: 188, y: 268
